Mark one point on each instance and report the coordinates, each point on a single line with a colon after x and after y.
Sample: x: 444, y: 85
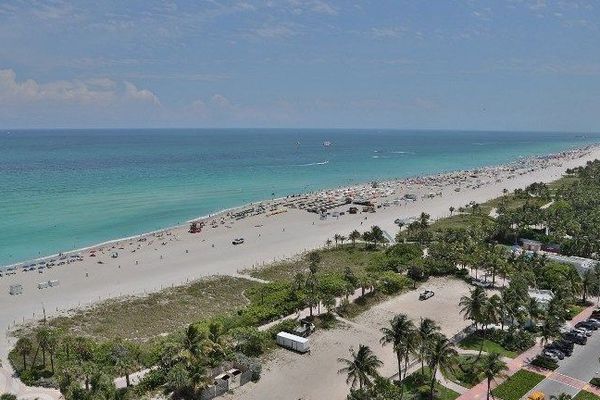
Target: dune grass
x: 333, y: 260
x: 145, y: 317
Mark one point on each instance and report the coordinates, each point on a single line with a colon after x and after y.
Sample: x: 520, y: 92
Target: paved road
x: 574, y: 372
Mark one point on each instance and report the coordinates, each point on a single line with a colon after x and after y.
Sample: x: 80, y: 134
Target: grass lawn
x: 333, y: 260
x: 583, y: 395
x: 574, y: 310
x: 517, y: 385
x: 413, y: 382
x: 473, y: 342
x: 160, y: 313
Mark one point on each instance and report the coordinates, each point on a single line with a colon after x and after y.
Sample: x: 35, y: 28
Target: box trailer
x: 293, y: 342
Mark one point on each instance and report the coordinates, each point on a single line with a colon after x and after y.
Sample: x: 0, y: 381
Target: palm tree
x: 53, y: 341
x: 102, y: 386
x: 336, y: 238
x: 365, y: 281
x: 550, y: 330
x: 586, y: 282
x: 361, y: 367
x: 472, y: 306
x: 493, y: 367
x: 329, y: 302
x: 354, y: 236
x: 24, y: 348
x: 399, y: 335
x: 377, y: 235
x: 41, y: 336
x: 534, y: 310
x: 123, y: 360
x: 342, y: 239
x: 191, y: 341
x: 441, y: 356
x: 451, y: 209
x: 489, y: 315
x: 426, y: 330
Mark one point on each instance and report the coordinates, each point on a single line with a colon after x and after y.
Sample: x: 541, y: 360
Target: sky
x: 406, y: 64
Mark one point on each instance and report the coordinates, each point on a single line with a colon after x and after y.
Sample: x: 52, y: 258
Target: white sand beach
x: 176, y: 256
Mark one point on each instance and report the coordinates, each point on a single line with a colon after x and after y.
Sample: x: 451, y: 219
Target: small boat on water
x: 327, y: 143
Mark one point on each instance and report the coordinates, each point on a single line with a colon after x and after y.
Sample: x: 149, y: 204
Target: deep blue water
x: 61, y: 190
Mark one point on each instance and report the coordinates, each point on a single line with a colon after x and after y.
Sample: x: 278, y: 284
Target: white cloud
x: 274, y: 31
x: 220, y: 101
x: 388, y: 32
x: 99, y: 91
x: 145, y: 95
x: 68, y: 91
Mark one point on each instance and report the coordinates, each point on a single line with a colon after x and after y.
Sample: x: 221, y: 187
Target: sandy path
x: 314, y: 376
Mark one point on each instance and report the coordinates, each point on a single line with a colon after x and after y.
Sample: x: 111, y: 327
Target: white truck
x: 293, y: 342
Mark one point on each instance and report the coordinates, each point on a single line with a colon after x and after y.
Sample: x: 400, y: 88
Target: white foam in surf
x: 312, y: 164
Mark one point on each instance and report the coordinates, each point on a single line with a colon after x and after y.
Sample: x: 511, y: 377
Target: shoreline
x: 225, y: 212
x: 176, y: 257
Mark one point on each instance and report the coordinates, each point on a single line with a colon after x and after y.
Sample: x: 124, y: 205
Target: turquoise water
x: 61, y: 190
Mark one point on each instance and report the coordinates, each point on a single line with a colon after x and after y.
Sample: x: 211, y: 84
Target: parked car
x: 556, y: 352
x: 582, y: 331
x: 426, y: 295
x: 575, y: 337
x: 550, y: 355
x: 237, y: 241
x: 594, y: 322
x: 565, y: 349
x: 587, y: 325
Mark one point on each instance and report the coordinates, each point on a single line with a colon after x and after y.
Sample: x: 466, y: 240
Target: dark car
x: 563, y: 349
x: 575, y: 338
x: 564, y: 344
x: 594, y: 322
x: 587, y: 325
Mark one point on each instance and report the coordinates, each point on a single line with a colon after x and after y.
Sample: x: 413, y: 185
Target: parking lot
x: 574, y: 372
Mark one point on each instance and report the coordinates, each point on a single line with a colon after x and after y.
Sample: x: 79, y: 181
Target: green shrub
x: 391, y: 282
x: 333, y: 284
x: 8, y: 396
x: 595, y: 382
x: 545, y: 362
x: 250, y: 341
x: 287, y: 325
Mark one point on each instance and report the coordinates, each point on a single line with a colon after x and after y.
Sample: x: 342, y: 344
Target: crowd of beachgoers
x: 336, y: 202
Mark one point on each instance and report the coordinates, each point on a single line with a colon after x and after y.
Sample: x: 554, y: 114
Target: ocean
x: 66, y: 189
